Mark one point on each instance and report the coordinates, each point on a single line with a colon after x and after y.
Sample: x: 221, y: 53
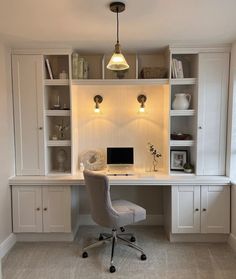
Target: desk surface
x: 154, y: 179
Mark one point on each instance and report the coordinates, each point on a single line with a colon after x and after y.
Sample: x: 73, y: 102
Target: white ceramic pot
x: 181, y: 101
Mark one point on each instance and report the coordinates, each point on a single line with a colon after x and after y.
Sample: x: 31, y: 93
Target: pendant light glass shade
x: 117, y: 61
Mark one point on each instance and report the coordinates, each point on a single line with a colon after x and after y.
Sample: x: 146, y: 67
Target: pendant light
x: 117, y: 61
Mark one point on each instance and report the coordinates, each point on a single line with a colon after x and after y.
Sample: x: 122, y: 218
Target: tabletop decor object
x: 93, y: 160
x: 155, y: 155
x: 61, y: 158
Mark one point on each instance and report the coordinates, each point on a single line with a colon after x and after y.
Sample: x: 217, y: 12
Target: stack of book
x: 177, y: 69
x: 79, y: 67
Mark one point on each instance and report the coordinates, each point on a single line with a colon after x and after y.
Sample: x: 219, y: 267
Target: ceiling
x: 89, y: 25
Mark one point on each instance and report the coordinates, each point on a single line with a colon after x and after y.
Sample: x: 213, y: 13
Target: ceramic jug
x: 181, y: 101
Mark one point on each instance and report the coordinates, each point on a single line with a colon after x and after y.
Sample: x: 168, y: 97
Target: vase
x: 154, y: 163
x: 181, y: 101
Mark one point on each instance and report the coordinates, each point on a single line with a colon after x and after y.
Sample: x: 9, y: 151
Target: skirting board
x: 31, y: 237
x: 151, y: 220
x: 198, y: 237
x: 7, y: 244
x: 232, y: 241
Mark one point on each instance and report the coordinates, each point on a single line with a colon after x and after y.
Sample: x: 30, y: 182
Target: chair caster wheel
x: 100, y: 237
x: 132, y: 239
x: 112, y: 269
x: 143, y: 257
x: 122, y: 229
x: 85, y: 255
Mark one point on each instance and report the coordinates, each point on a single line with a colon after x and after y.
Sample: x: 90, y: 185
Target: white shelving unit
x: 57, y: 90
x: 184, y: 121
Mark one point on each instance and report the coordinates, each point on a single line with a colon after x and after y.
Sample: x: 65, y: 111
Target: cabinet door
x: 28, y: 113
x: 215, y: 211
x: 27, y: 209
x: 212, y: 113
x: 57, y: 209
x: 185, y: 209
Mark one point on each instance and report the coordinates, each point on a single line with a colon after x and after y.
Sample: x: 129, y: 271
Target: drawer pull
x: 45, y: 209
x: 204, y: 209
x: 38, y: 208
x: 196, y: 209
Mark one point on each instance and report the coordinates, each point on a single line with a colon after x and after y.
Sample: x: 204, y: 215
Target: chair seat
x: 129, y: 212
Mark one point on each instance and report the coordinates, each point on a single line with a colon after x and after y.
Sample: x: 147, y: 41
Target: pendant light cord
x: 117, y: 26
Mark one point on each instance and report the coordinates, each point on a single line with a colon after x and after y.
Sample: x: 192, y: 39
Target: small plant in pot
x: 188, y: 168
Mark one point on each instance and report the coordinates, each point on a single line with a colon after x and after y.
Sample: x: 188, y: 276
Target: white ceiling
x: 89, y: 25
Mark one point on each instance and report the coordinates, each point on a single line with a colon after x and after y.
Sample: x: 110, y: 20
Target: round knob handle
x: 45, y: 209
x: 204, y: 209
x: 38, y: 208
x: 196, y: 209
x: 40, y: 128
x: 200, y: 127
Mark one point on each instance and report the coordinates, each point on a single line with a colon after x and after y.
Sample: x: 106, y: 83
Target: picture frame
x: 177, y: 159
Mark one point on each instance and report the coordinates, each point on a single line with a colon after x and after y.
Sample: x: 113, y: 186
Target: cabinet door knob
x: 204, y: 209
x: 196, y: 209
x: 40, y: 128
x: 200, y: 127
x: 38, y: 208
x: 45, y: 209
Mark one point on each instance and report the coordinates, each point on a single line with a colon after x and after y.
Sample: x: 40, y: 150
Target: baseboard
x: 151, y: 220
x: 32, y: 237
x: 232, y: 241
x: 198, y: 237
x: 7, y: 244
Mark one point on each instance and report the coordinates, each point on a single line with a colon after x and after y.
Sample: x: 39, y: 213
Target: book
x: 80, y: 68
x: 177, y: 68
x: 49, y: 69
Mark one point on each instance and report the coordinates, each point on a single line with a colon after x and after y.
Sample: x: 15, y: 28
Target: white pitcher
x: 181, y: 101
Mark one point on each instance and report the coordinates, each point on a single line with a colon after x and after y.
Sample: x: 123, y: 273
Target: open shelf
x: 188, y: 112
x: 58, y: 82
x: 120, y: 81
x: 59, y: 143
x: 182, y: 143
x: 55, y: 112
x: 183, y: 81
x: 181, y: 173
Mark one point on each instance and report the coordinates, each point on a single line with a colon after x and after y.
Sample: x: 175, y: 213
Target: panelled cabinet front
x: 28, y: 112
x: 41, y: 209
x: 212, y: 113
x: 200, y: 209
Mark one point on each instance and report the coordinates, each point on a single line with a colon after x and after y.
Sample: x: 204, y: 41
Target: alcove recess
x: 184, y: 121
x: 97, y: 66
x: 57, y: 111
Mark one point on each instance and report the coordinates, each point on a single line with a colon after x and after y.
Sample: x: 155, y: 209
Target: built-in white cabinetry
x: 212, y: 113
x: 200, y: 209
x: 28, y: 113
x: 41, y: 209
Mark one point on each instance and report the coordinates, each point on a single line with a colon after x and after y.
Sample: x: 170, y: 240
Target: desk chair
x: 111, y: 214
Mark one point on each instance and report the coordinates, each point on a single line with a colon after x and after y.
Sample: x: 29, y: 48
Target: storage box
x: 153, y: 72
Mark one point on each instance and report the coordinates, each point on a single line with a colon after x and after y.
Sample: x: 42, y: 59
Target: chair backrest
x: 98, y: 189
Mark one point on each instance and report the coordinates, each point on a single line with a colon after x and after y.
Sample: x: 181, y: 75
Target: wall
x: 231, y: 166
x: 120, y: 124
x: 6, y: 148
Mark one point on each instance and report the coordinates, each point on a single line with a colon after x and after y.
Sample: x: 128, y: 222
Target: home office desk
x: 193, y: 205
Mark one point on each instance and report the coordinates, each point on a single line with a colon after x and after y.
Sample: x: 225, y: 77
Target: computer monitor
x: 120, y: 155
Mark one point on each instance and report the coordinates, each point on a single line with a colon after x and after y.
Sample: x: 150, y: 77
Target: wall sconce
x: 98, y: 100
x: 142, y: 99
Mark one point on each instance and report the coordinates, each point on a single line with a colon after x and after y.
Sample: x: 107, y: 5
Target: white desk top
x: 154, y: 179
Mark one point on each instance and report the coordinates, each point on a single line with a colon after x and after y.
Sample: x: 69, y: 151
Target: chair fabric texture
x: 107, y: 213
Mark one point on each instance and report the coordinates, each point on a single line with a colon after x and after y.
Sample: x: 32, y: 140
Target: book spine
x: 49, y: 69
x: 75, y: 69
x: 80, y: 68
x: 86, y: 70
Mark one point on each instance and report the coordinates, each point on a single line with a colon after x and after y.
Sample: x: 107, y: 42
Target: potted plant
x: 188, y: 167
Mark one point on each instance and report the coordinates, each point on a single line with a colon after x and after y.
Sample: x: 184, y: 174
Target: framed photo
x: 177, y: 159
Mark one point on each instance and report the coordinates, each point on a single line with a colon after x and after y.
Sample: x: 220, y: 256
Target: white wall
x: 231, y: 167
x: 6, y: 145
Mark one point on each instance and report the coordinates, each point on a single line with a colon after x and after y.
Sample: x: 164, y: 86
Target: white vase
x: 181, y: 101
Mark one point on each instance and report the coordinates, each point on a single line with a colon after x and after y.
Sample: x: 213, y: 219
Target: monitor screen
x: 120, y: 155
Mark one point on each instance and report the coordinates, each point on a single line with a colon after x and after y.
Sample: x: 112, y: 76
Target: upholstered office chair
x: 111, y: 214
